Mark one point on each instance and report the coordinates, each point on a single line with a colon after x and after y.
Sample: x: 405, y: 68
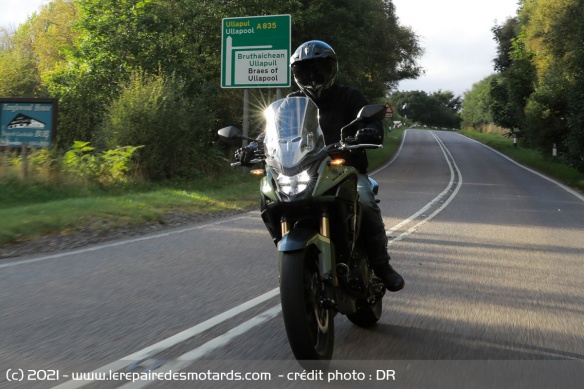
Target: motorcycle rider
x: 314, y: 66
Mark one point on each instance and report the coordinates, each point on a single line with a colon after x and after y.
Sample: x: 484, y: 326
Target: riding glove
x: 244, y: 155
x: 368, y: 135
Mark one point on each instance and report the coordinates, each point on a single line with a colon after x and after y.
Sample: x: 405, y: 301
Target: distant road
x: 492, y: 255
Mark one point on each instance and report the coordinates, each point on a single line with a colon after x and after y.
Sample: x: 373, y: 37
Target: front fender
x: 302, y: 238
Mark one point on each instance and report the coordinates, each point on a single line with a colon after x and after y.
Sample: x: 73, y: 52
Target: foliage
x: 116, y: 165
x: 374, y: 51
x: 87, y: 54
x: 31, y: 55
x: 509, y: 92
x: 553, y: 32
x: 439, y: 109
x: 81, y: 165
x: 19, y: 76
x: 504, y: 35
x: 152, y: 112
x: 42, y: 165
x: 107, y: 168
x: 80, y: 162
x: 54, y: 36
x: 476, y: 105
x: 574, y: 141
x: 538, y: 90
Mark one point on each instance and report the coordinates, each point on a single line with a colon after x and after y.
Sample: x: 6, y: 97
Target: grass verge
x: 30, y: 210
x: 534, y: 159
x: 391, y: 143
x: 44, y: 210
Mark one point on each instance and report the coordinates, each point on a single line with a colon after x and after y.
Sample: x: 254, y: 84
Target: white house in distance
x: 21, y: 121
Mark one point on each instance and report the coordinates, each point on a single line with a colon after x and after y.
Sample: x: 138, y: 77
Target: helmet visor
x: 316, y: 72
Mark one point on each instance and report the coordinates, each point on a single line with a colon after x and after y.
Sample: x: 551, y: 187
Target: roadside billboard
x: 27, y: 121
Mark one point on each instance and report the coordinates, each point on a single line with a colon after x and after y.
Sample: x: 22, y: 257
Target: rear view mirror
x: 229, y: 133
x: 232, y: 133
x: 372, y: 112
x: 367, y: 114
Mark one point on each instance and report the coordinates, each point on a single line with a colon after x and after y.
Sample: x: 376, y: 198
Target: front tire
x: 309, y: 326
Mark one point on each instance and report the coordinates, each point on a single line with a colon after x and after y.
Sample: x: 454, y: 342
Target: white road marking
x: 175, y: 339
x: 120, y: 243
x: 188, y: 358
x: 451, y: 165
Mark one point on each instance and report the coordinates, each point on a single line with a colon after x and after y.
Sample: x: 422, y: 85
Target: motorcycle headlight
x: 292, y: 185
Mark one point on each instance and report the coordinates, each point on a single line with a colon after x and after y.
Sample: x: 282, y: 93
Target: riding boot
x: 379, y: 262
x: 374, y: 238
x: 392, y: 280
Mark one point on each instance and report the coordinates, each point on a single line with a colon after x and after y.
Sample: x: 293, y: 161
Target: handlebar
x: 361, y: 146
x: 335, y: 146
x: 348, y: 146
x: 251, y: 162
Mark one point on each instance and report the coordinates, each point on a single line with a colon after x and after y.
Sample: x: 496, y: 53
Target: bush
x: 108, y: 168
x: 173, y: 128
x: 78, y: 166
x: 79, y: 162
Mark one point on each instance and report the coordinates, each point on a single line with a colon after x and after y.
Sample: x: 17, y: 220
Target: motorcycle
x: 310, y: 206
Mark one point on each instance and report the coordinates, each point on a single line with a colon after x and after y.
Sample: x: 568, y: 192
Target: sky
x: 457, y: 39
x: 455, y: 34
x: 14, y: 12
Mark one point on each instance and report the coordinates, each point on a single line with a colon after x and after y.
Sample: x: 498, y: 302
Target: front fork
x: 325, y: 227
x: 284, y: 226
x: 326, y: 261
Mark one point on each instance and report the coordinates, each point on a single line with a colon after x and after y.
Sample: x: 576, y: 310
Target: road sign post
x: 388, y: 110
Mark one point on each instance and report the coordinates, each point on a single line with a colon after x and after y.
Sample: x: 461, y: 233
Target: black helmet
x: 314, y: 66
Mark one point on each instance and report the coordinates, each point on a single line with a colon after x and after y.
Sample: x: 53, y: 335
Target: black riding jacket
x: 338, y: 108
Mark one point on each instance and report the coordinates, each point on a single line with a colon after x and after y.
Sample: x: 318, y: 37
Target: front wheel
x: 309, y: 326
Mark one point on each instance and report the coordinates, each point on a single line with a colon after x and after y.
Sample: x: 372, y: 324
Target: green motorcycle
x: 310, y: 206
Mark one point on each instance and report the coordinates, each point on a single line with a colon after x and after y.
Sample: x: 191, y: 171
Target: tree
x: 476, y: 110
x: 448, y: 99
x: 509, y: 92
x: 438, y: 109
x: 86, y: 52
x: 37, y: 49
x: 19, y: 76
x: 574, y: 142
x: 152, y: 112
x: 538, y: 88
x: 504, y: 35
x: 375, y: 52
x: 54, y: 36
x: 552, y: 34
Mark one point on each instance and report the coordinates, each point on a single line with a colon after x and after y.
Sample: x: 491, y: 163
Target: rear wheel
x: 309, y: 326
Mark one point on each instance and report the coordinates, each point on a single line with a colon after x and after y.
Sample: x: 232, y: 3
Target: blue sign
x: 30, y: 121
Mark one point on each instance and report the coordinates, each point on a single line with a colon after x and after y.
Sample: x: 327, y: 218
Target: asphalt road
x: 491, y: 252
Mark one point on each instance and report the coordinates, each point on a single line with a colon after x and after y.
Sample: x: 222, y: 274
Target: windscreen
x: 292, y: 131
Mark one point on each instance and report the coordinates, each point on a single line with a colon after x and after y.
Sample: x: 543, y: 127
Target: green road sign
x: 255, y: 52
